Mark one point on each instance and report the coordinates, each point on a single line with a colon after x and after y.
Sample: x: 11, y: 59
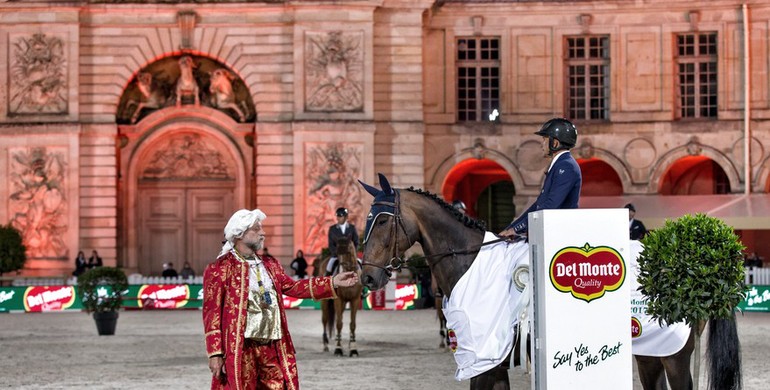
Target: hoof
x: 354, y: 353
x: 337, y: 352
x: 326, y: 348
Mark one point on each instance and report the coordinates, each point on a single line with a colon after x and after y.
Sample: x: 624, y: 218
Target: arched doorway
x: 185, y: 188
x: 599, y: 178
x: 486, y: 189
x: 186, y: 131
x: 694, y: 175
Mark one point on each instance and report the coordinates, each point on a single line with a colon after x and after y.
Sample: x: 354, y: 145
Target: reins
x: 396, y: 262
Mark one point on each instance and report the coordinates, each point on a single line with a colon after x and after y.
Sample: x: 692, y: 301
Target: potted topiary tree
x: 691, y: 270
x: 12, y: 250
x: 102, y: 289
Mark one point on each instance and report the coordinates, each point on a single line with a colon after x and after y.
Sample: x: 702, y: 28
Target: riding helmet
x: 458, y: 204
x: 342, y: 212
x: 560, y: 129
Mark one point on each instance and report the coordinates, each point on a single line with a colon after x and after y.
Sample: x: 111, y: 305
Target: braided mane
x: 466, y: 220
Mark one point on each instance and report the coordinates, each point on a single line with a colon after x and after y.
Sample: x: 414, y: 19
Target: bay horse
x: 332, y: 310
x: 400, y: 217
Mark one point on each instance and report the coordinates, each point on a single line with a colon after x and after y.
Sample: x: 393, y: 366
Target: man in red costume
x: 247, y: 337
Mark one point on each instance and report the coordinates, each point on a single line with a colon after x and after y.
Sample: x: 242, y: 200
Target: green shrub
x: 691, y: 269
x: 90, y: 282
x: 12, y: 250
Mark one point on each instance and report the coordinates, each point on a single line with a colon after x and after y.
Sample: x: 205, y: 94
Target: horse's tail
x: 330, y: 318
x: 724, y: 355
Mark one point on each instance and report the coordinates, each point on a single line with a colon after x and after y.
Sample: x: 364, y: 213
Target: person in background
x: 168, y: 270
x: 244, y: 323
x: 80, y: 264
x: 341, y: 229
x: 561, y: 188
x: 94, y: 260
x: 187, y: 272
x: 299, y: 265
x: 459, y: 206
x: 636, y: 229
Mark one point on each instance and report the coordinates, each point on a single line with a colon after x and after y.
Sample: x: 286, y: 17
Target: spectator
x: 459, y: 205
x: 80, y: 264
x: 95, y: 260
x: 187, y: 271
x: 299, y: 265
x: 169, y: 271
x: 636, y: 228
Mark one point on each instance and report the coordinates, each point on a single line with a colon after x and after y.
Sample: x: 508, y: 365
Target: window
x: 478, y: 79
x: 588, y: 77
x: 696, y: 64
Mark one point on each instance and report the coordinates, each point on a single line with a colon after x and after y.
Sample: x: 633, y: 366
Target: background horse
x: 332, y: 310
x: 400, y: 218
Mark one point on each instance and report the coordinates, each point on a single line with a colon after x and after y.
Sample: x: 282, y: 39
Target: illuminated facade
x: 136, y: 128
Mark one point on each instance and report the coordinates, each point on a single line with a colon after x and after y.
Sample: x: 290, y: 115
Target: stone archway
x: 184, y: 186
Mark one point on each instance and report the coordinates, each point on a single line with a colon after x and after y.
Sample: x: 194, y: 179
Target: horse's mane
x: 466, y: 220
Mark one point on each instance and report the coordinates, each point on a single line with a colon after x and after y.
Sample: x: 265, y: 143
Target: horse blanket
x: 648, y: 337
x: 484, y: 307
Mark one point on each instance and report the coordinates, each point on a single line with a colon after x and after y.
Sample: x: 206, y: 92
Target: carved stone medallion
x: 186, y: 157
x: 38, y: 202
x: 38, y: 82
x: 331, y: 174
x: 334, y: 71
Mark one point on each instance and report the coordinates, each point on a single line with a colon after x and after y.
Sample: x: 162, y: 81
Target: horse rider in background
x: 342, y: 229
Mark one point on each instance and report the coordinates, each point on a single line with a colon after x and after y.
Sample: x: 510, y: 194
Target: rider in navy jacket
x: 561, y: 189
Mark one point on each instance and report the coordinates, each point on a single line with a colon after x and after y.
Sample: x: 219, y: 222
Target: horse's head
x: 385, y: 235
x: 346, y: 254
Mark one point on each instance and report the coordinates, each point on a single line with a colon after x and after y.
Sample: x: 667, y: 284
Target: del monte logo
x: 587, y: 272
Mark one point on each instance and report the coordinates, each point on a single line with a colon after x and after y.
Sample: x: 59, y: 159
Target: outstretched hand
x: 345, y: 279
x: 509, y: 234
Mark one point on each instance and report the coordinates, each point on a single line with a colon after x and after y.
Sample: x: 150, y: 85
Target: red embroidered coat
x: 225, y: 298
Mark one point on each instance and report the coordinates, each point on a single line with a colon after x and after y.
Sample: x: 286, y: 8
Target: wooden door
x: 179, y: 224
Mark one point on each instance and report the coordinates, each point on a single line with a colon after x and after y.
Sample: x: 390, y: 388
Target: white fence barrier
x: 132, y: 279
x: 758, y: 276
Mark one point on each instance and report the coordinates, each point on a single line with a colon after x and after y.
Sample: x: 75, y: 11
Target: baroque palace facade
x: 137, y: 127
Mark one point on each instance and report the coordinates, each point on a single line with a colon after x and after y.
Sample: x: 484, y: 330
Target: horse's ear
x: 384, y: 184
x: 371, y: 190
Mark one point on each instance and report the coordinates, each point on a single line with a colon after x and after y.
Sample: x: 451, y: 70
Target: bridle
x: 396, y: 262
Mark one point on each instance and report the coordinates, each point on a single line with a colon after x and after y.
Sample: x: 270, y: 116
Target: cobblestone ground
x: 164, y: 350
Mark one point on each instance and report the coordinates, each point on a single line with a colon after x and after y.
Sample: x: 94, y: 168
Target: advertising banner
x: 757, y: 299
x: 581, y: 299
x: 164, y: 296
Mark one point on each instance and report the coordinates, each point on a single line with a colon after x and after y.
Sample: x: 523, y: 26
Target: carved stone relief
x: 38, y: 82
x: 38, y: 204
x: 186, y: 157
x: 331, y: 174
x: 185, y: 80
x: 334, y: 71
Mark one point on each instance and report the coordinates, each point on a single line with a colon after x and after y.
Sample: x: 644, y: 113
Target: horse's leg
x: 494, y: 379
x: 325, y: 323
x: 353, y: 309
x: 651, y: 372
x: 339, y: 306
x: 677, y: 366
